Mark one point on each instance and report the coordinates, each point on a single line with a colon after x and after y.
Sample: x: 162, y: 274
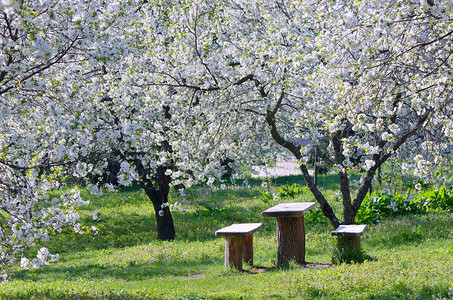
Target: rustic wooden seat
x: 238, y: 243
x: 349, y: 230
x: 348, y: 243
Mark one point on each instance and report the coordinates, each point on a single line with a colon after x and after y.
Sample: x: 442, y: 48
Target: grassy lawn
x: 412, y: 256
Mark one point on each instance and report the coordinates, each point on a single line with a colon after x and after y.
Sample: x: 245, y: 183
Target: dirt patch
x: 314, y: 265
x: 256, y: 271
x: 194, y: 276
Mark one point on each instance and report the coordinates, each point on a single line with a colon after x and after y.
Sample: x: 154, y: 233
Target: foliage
x: 441, y: 199
x: 267, y: 197
x: 286, y: 191
x: 283, y: 192
x: 385, y: 204
x: 315, y: 216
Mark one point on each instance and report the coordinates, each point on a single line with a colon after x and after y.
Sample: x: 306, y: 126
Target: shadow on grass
x: 205, y: 196
x: 202, y: 223
x: 114, y: 231
x: 130, y: 272
x: 119, y: 229
x: 295, y: 266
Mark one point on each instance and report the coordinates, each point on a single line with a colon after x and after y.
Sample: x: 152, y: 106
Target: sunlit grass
x: 412, y: 255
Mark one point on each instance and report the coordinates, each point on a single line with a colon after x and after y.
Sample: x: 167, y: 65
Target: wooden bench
x: 238, y: 243
x: 348, y: 242
x: 349, y: 230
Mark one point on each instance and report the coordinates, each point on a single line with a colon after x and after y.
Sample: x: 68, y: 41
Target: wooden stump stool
x: 238, y: 243
x: 349, y: 248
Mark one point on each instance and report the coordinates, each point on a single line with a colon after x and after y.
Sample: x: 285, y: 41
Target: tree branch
x: 56, y: 59
x: 383, y: 158
x: 325, y: 207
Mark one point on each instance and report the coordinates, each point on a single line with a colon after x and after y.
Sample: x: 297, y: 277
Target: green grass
x: 412, y: 255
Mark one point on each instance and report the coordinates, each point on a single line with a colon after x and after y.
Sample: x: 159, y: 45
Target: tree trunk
x: 315, y: 167
x: 379, y: 176
x: 159, y: 198
x: 295, y: 150
x: 164, y: 220
x: 165, y: 225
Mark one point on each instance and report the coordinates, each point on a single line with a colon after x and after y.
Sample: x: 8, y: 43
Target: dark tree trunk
x: 157, y: 188
x: 315, y: 167
x: 164, y: 220
x: 159, y: 198
x: 348, y: 210
x: 165, y: 225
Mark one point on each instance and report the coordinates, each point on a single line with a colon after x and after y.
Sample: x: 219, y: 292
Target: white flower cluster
x: 422, y: 169
x: 42, y: 258
x: 127, y: 174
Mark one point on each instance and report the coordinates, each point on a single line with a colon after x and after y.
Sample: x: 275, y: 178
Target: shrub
x: 315, y: 216
x: 382, y: 204
x: 267, y: 197
x: 290, y: 191
x: 283, y: 192
x: 441, y: 199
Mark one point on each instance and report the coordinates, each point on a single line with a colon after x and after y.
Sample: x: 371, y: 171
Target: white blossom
x: 96, y: 216
x: 369, y: 164
x: 24, y: 263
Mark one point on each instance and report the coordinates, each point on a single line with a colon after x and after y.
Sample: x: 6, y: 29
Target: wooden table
x: 290, y: 230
